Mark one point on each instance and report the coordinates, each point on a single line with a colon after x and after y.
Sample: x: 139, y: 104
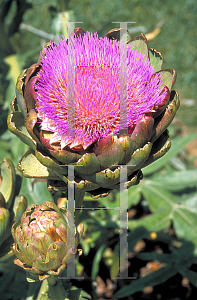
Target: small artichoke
x: 99, y: 145
x: 42, y: 246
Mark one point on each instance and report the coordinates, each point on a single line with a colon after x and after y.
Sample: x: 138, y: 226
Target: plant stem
x: 63, y: 5
x: 51, y: 289
x: 43, y: 293
x: 79, y: 196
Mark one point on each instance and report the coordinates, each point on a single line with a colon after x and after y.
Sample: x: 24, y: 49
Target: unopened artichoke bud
x: 12, y: 206
x: 44, y: 240
x: 99, y: 115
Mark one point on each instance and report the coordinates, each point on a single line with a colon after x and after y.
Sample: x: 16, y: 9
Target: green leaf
x: 134, y: 196
x: 14, y: 71
x: 177, y: 257
x: 154, y: 222
x: 114, y: 270
x: 185, y: 224
x: 153, y: 279
x: 184, y: 217
x: 8, y: 179
x: 176, y: 181
x: 177, y: 145
x: 96, y: 261
x: 5, y: 149
x: 191, y: 275
x: 157, y: 198
x: 14, y: 153
x: 190, y: 201
x: 35, y: 190
x: 84, y: 295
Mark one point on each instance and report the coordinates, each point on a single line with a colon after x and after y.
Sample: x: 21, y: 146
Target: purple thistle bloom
x: 96, y: 90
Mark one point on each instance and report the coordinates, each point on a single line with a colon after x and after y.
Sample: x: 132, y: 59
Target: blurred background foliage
x: 162, y: 209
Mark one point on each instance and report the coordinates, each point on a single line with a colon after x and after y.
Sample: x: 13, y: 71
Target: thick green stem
x: 43, y: 293
x: 51, y: 289
x: 79, y: 196
x: 63, y: 5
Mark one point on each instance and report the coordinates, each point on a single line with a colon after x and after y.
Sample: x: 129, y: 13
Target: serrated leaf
x: 177, y: 181
x: 184, y: 218
x: 177, y: 145
x: 177, y: 257
x: 153, y: 279
x: 185, y: 224
x: 154, y: 222
x: 190, y: 201
x: 157, y: 198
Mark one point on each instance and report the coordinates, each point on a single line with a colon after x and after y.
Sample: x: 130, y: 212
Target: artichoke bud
x: 95, y: 130
x: 45, y: 240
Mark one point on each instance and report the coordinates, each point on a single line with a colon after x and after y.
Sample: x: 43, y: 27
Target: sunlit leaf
x: 177, y: 145
x: 153, y: 279
x: 177, y: 181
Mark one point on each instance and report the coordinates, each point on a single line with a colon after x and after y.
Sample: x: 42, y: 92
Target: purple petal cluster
x: 96, y: 103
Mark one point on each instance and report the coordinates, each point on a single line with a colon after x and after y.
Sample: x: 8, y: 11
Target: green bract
x: 43, y: 240
x: 12, y: 206
x: 97, y: 170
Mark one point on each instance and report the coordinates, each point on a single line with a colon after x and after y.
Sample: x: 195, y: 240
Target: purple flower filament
x: 96, y: 90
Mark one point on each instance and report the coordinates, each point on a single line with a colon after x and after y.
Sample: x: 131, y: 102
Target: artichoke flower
x: 12, y: 206
x: 88, y: 129
x: 43, y: 246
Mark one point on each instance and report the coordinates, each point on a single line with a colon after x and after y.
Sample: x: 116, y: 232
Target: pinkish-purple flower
x: 96, y: 90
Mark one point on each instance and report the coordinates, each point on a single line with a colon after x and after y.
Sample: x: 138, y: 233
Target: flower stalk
x: 51, y: 289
